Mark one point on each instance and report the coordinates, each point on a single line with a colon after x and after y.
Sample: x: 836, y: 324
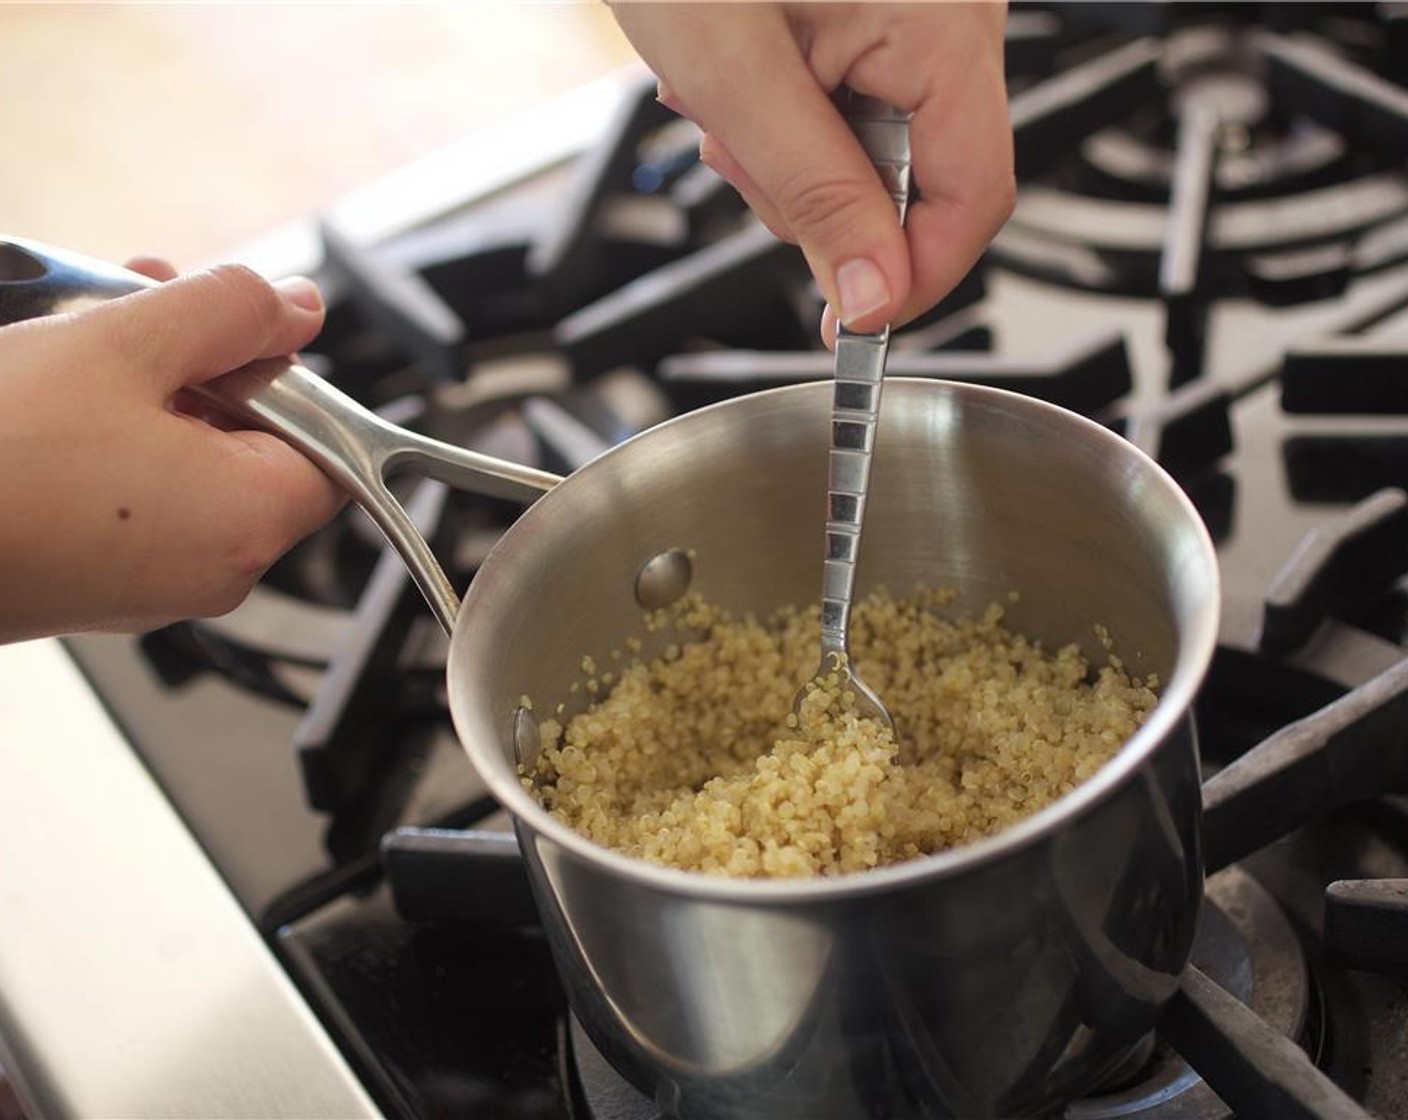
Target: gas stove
x: 1209, y: 254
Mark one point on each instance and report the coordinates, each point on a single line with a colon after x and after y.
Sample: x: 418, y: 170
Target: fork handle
x: 883, y: 131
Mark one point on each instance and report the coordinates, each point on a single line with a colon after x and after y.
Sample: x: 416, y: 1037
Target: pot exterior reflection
x: 989, y: 994
x: 998, y: 980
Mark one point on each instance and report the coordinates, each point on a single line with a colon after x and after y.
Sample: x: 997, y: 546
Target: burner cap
x: 1237, y: 98
x: 1248, y: 946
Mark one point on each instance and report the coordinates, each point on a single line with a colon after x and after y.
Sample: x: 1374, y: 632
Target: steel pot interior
x: 974, y: 488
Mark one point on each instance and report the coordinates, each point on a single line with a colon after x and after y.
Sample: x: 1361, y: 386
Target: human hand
x: 757, y: 78
x: 122, y: 508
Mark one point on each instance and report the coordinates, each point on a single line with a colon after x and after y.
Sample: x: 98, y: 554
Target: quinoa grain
x: 695, y: 759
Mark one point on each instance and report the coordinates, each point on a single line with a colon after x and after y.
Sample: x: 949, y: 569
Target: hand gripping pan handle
x: 352, y: 445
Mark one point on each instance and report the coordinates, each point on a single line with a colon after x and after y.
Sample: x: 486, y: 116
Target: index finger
x: 743, y: 75
x: 949, y: 68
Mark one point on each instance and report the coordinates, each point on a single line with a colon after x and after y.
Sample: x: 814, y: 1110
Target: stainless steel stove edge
x: 131, y: 982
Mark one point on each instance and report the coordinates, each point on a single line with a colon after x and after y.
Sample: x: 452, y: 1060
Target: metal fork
x: 883, y: 132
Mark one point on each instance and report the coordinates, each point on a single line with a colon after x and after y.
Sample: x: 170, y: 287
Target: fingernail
x: 862, y: 287
x: 301, y: 292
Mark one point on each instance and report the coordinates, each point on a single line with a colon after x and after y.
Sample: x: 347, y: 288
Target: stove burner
x: 1210, y: 67
x: 1245, y: 943
x: 1238, y: 99
x: 1264, y: 121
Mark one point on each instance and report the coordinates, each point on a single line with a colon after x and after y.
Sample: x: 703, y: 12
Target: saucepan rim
x: 1197, y: 642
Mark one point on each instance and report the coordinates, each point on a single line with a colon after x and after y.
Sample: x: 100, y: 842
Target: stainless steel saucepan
x: 995, y: 979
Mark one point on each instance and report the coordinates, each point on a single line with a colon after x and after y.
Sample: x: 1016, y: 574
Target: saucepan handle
x: 353, y: 446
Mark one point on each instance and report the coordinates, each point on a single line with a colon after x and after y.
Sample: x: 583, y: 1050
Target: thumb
x: 200, y: 326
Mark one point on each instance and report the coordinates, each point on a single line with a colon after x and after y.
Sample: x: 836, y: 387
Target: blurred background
x: 187, y: 130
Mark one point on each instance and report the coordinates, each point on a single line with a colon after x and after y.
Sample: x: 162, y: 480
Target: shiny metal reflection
x: 663, y: 579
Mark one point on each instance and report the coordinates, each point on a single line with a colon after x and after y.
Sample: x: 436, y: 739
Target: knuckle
x: 985, y: 206
x: 222, y: 598
x: 1000, y: 185
x: 827, y: 208
x: 241, y: 280
x: 246, y: 559
x: 243, y: 289
x: 221, y: 584
x: 1002, y: 201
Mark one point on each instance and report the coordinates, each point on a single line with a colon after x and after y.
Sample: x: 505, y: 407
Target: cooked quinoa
x: 695, y: 760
